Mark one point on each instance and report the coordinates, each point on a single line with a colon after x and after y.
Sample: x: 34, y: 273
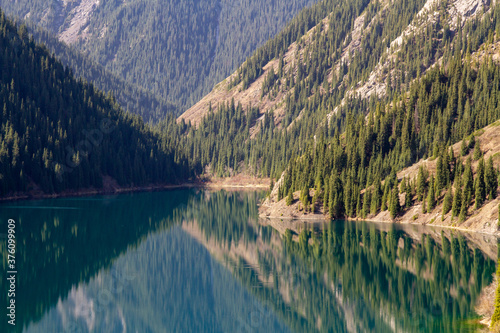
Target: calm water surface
x: 200, y: 261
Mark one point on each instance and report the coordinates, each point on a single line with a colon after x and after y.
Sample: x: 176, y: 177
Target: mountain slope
x: 345, y: 98
x: 175, y: 49
x: 58, y: 133
x: 131, y: 97
x: 374, y: 50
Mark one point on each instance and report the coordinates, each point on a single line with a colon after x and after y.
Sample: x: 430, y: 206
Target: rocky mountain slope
x: 484, y: 220
x: 368, y: 94
x: 440, y: 16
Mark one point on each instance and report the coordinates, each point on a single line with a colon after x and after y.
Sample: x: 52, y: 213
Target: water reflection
x: 200, y: 261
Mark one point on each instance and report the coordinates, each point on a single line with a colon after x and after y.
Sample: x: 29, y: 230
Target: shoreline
x: 320, y: 218
x: 124, y: 190
x: 481, y: 221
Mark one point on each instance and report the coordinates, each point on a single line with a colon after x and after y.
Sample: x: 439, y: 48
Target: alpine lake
x: 194, y: 260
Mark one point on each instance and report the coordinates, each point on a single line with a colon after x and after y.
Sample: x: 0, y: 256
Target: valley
x: 336, y: 160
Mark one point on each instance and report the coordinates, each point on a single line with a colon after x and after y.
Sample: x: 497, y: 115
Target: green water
x: 200, y: 261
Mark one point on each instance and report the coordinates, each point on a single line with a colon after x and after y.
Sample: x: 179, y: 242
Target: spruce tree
x: 359, y: 206
x: 463, y: 208
x: 490, y: 178
x: 304, y: 197
x: 480, y: 186
x: 408, y: 198
x: 289, y: 197
x: 468, y: 183
x: 457, y: 199
x: 424, y: 206
x: 421, y: 183
x: 496, y: 313
x: 464, y: 149
x: 472, y: 142
x: 447, y: 203
x: 394, y: 207
x: 366, y: 203
x: 331, y: 198
x: 375, y: 202
x: 431, y: 197
x: 386, y: 196
x: 441, y: 174
x: 477, y: 152
x: 499, y: 215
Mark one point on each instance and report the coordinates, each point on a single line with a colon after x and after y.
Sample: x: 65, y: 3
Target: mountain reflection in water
x: 202, y: 261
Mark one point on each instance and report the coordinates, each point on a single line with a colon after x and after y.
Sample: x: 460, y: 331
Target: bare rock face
x: 462, y: 10
x: 466, y: 9
x: 76, y: 19
x: 68, y: 19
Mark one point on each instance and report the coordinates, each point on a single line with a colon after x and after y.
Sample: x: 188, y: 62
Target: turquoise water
x: 201, y: 261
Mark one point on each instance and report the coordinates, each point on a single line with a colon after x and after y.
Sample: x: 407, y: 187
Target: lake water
x: 201, y: 261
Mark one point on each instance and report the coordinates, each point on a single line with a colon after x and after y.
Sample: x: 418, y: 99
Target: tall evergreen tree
x: 480, y: 186
x: 490, y: 178
x: 431, y: 197
x: 447, y: 202
x: 421, y: 183
x: 395, y: 207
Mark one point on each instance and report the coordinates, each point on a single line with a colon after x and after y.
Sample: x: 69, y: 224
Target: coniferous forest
x: 345, y: 146
x: 175, y: 50
x: 351, y: 109
x: 60, y: 133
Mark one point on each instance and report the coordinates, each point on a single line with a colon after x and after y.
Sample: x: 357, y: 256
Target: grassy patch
x: 479, y: 132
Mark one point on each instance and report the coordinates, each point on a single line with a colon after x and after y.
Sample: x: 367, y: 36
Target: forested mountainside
x: 175, y: 49
x: 130, y: 97
x: 345, y: 100
x: 58, y: 133
x: 350, y: 93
